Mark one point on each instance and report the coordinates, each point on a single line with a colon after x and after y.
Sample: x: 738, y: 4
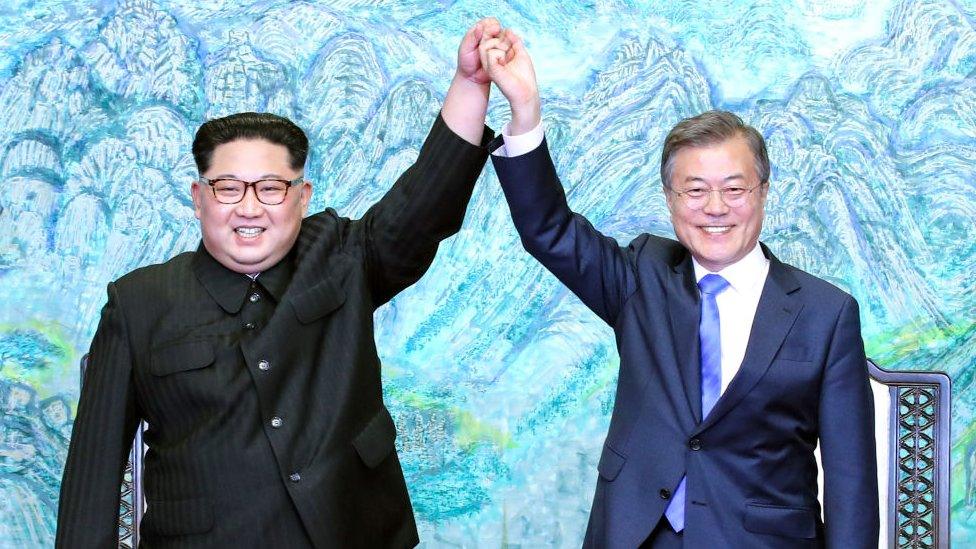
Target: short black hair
x: 249, y: 125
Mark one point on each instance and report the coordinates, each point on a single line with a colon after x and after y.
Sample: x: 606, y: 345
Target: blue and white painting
x: 500, y: 381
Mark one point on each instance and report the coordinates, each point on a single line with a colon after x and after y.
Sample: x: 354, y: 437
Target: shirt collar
x: 276, y: 279
x: 743, y: 275
x: 229, y: 288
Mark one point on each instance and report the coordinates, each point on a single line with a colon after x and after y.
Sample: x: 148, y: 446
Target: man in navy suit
x: 733, y: 365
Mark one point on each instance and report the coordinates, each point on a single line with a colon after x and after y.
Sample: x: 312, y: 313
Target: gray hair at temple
x: 712, y: 128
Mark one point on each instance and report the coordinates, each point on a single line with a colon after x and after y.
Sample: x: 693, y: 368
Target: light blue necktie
x: 711, y: 375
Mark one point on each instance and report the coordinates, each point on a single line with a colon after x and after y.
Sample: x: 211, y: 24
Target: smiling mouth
x: 249, y: 232
x: 717, y: 230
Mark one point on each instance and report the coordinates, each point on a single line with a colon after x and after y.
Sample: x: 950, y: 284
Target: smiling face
x: 250, y: 237
x: 717, y: 235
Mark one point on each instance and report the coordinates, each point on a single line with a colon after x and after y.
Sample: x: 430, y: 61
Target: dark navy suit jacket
x: 752, y: 475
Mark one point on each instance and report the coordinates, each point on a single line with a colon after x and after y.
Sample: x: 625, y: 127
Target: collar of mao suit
x: 229, y: 288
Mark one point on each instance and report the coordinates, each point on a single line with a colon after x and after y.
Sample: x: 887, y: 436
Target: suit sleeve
x: 590, y: 264
x: 847, y: 439
x: 101, y: 439
x: 425, y: 206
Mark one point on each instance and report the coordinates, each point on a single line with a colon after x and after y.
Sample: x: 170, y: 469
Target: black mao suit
x: 263, y: 398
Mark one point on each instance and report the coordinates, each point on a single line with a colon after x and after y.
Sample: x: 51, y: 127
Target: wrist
x: 526, y: 116
x: 470, y: 83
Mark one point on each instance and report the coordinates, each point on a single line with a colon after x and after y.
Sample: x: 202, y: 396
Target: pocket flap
x: 794, y: 353
x: 318, y: 301
x: 377, y: 439
x: 795, y: 522
x: 180, y: 357
x: 611, y: 462
x: 178, y: 517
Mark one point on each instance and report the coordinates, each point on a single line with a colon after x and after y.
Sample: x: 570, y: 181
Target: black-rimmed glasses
x: 270, y: 192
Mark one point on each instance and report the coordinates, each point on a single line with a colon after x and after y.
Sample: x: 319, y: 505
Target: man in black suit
x: 253, y: 360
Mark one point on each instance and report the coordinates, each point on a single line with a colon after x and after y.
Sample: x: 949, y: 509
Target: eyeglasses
x: 695, y: 198
x: 270, y: 192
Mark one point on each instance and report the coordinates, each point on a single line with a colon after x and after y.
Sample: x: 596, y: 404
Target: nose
x: 249, y: 206
x: 715, y: 204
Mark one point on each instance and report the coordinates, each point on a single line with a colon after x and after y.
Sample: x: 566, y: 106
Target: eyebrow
x: 234, y: 176
x: 734, y: 177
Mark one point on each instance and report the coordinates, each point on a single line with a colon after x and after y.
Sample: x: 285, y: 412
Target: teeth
x: 249, y: 232
x: 716, y: 230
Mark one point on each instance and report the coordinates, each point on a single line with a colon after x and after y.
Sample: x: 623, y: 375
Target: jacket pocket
x: 180, y: 357
x: 611, y: 462
x: 794, y: 522
x: 377, y: 439
x: 794, y: 353
x: 318, y: 301
x: 178, y: 517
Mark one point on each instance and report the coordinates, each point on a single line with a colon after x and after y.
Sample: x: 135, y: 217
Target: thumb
x: 494, y: 62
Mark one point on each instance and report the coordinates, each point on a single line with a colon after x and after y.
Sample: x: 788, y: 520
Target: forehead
x: 246, y: 156
x: 720, y: 160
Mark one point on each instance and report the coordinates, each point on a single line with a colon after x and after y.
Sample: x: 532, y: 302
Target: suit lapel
x: 684, y: 310
x: 775, y: 316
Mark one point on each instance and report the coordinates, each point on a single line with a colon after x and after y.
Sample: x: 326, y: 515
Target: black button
x: 295, y: 477
x: 264, y: 365
x: 665, y: 493
x: 250, y: 325
x: 695, y: 444
x: 254, y: 298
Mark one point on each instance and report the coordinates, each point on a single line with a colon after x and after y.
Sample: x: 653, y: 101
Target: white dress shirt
x: 517, y: 145
x: 736, y: 304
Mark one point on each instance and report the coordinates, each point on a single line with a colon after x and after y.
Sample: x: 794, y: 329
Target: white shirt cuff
x: 517, y: 145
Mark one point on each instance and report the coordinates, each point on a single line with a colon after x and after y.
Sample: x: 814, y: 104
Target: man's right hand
x: 510, y: 68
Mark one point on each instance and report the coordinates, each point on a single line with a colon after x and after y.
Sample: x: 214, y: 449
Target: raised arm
x: 590, y: 264
x: 467, y: 99
x: 427, y: 203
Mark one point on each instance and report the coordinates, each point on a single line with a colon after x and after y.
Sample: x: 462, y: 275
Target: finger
x: 483, y: 55
x: 471, y: 39
x: 509, y: 55
x: 501, y: 45
x: 491, y: 26
x: 518, y: 47
x: 493, y: 44
x: 512, y: 37
x: 496, y: 57
x: 477, y: 31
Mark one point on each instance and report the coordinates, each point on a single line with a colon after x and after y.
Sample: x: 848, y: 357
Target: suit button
x: 665, y: 493
x: 695, y: 444
x: 250, y: 326
x: 276, y: 422
x: 254, y: 298
x: 264, y: 365
x: 295, y: 477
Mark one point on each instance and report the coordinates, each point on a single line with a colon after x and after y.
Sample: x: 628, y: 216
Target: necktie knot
x: 712, y: 284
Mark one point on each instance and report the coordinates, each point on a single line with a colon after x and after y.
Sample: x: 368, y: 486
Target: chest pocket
x: 181, y: 357
x: 318, y: 301
x: 377, y: 439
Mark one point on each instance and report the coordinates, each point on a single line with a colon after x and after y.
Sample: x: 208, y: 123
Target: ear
x: 763, y: 192
x: 306, y: 196
x: 196, y: 191
x: 668, y: 198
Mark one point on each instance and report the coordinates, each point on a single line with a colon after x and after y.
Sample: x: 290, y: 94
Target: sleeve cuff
x: 517, y: 145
